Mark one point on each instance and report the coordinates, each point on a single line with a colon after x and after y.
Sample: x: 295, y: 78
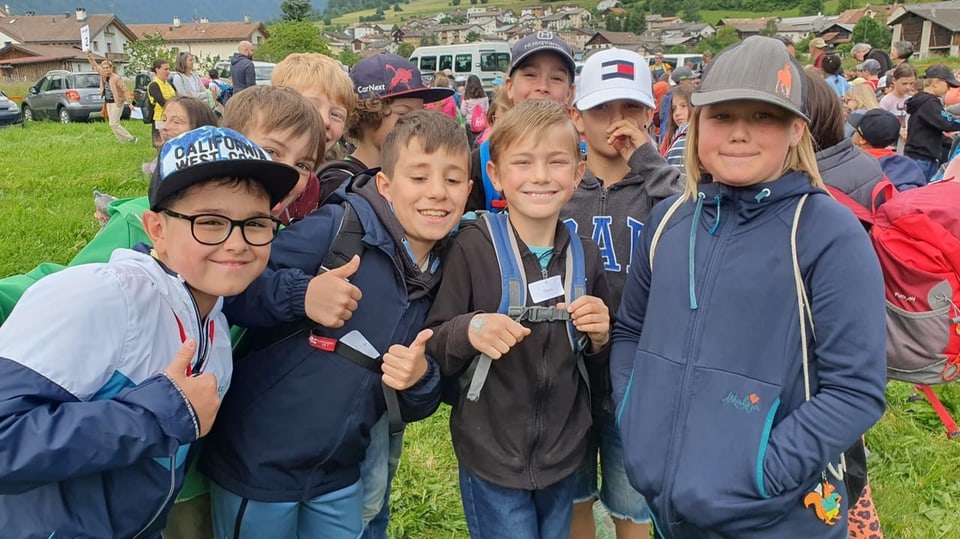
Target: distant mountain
x: 153, y: 11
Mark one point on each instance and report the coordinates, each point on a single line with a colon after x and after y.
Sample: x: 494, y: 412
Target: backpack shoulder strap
x: 862, y: 213
x: 513, y: 286
x: 347, y: 243
x: 575, y: 285
x: 489, y: 193
x: 662, y: 225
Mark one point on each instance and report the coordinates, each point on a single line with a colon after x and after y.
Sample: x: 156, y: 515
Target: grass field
x: 48, y: 172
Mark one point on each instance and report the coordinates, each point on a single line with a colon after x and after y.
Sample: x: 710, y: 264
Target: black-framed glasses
x: 213, y: 229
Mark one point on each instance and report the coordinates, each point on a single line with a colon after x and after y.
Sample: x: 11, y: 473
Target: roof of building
x: 945, y: 14
x: 195, y: 31
x: 58, y: 28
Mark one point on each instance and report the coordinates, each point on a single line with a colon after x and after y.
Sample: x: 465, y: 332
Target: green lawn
x: 47, y: 176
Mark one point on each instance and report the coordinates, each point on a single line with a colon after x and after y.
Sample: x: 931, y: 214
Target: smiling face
x: 744, y: 142
x: 427, y: 193
x: 211, y: 271
x: 334, y: 114
x: 290, y: 148
x: 543, y: 75
x: 538, y: 175
x: 175, y: 121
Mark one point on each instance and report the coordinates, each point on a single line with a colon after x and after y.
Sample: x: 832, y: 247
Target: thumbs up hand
x: 404, y: 366
x: 331, y: 299
x: 200, y: 391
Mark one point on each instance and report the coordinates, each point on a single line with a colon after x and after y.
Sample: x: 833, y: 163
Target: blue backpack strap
x: 574, y: 286
x: 489, y: 193
x: 513, y: 287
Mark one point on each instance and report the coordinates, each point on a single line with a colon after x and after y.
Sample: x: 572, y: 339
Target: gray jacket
x: 850, y: 170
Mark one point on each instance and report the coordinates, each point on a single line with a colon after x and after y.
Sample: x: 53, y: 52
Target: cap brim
x: 606, y: 95
x: 277, y: 178
x: 854, y: 120
x: 699, y: 99
x: 952, y: 82
x: 429, y: 95
x: 567, y: 59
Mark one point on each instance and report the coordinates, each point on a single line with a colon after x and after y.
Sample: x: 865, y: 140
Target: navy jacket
x: 296, y: 422
x: 711, y: 399
x: 242, y: 72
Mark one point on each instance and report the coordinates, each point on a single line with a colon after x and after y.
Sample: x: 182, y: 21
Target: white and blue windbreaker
x: 93, y: 435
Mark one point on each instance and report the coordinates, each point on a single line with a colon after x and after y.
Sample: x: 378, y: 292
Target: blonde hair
x: 800, y: 158
x: 307, y: 70
x: 864, y: 95
x: 531, y: 120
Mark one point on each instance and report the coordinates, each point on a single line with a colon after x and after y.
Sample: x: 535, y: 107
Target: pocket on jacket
x: 719, y: 470
x: 646, y: 418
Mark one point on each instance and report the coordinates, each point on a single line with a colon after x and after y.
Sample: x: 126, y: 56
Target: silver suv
x: 65, y: 96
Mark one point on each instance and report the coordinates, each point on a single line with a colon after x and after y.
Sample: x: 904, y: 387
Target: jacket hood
x: 237, y: 57
x: 902, y: 171
x: 379, y: 216
x: 918, y: 100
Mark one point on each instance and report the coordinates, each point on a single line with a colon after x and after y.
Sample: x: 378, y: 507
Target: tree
x: 725, y: 36
x: 472, y: 37
x: 844, y: 5
x: 288, y: 37
x: 295, y: 10
x: 613, y: 23
x: 473, y: 2
x: 690, y: 10
x: 397, y: 8
x: 348, y: 57
x: 405, y: 50
x: 454, y: 3
x: 145, y: 50
x: 770, y: 29
x: 869, y: 30
x: 811, y: 7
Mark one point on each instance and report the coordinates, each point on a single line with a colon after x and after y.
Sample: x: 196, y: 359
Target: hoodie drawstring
x: 693, y: 248
x: 716, y: 223
x: 764, y: 193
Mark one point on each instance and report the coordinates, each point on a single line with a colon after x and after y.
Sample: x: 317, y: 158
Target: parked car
x: 263, y: 70
x: 9, y: 112
x: 65, y: 96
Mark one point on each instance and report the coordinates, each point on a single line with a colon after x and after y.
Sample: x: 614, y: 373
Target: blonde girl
x: 735, y: 411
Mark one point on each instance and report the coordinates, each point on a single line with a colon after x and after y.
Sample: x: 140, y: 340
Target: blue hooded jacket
x: 296, y: 422
x: 706, y: 360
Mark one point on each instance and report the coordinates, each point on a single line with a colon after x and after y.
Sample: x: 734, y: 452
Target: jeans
x: 335, y: 515
x: 929, y: 168
x: 377, y: 470
x: 618, y: 496
x: 495, y: 512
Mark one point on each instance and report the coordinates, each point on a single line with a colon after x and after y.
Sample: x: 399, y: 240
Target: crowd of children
x: 581, y: 269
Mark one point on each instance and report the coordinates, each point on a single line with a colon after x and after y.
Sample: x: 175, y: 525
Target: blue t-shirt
x: 543, y: 254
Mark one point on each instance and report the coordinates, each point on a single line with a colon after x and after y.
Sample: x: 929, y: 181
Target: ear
x: 581, y: 169
x: 577, y: 118
x: 383, y: 185
x: 508, y: 85
x: 647, y: 117
x: 156, y: 228
x: 494, y: 176
x: 796, y: 131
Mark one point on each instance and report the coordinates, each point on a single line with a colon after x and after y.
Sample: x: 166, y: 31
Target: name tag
x: 545, y: 289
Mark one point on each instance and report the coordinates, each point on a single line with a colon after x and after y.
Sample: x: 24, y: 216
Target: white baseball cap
x: 613, y: 74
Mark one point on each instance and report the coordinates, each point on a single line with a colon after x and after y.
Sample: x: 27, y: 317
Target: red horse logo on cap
x: 784, y: 81
x: 401, y: 75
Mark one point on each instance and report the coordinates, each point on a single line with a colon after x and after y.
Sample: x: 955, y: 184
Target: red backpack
x: 916, y: 234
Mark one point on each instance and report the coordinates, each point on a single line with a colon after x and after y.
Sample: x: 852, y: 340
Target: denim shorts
x: 615, y: 492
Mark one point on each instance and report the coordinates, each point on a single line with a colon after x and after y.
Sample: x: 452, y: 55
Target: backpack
x: 333, y: 174
x: 916, y: 235
x: 478, y: 119
x: 147, y: 105
x: 513, y: 299
x: 493, y: 202
x: 853, y: 462
x: 225, y: 93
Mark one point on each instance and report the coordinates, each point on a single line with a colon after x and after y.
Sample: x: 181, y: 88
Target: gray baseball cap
x: 758, y: 68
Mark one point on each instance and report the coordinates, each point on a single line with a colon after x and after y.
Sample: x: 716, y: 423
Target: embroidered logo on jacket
x: 748, y: 404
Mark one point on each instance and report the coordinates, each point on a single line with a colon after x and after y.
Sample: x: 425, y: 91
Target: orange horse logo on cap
x: 784, y: 81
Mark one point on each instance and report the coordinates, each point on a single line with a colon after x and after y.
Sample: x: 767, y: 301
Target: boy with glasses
x: 95, y: 419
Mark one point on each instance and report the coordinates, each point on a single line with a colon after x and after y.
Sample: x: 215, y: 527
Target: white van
x: 487, y: 60
x: 263, y: 71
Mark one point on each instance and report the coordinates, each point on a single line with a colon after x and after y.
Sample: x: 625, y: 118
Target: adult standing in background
x: 863, y: 52
x: 158, y: 92
x: 116, y: 97
x: 186, y: 81
x: 818, y: 51
x: 242, y: 74
x: 658, y: 68
x: 900, y: 52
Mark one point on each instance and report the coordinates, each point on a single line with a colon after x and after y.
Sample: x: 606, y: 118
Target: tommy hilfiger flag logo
x: 617, y: 69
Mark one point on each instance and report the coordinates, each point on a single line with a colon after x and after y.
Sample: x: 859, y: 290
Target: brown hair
x: 433, y: 130
x: 682, y: 91
x: 306, y: 70
x: 904, y: 70
x: 366, y: 116
x: 275, y: 108
x: 825, y: 112
x: 198, y: 112
x: 531, y: 120
x: 474, y: 88
x: 441, y: 81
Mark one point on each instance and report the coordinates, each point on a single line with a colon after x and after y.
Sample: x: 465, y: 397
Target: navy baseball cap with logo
x: 759, y: 69
x: 878, y: 127
x: 210, y: 152
x: 942, y: 72
x: 613, y: 74
x: 388, y: 76
x: 540, y: 42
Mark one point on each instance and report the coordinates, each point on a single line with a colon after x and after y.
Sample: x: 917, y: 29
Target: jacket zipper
x: 166, y: 499
x: 538, y: 395
x: 687, y: 373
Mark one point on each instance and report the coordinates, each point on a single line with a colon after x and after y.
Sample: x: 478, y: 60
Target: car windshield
x: 263, y: 72
x: 87, y: 80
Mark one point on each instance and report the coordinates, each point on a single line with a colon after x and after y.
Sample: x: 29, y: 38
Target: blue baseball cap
x: 216, y: 152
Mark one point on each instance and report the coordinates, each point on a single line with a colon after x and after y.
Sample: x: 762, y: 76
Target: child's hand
x: 404, y: 366
x: 626, y: 136
x: 495, y: 334
x: 331, y: 299
x: 200, y: 391
x: 591, y: 316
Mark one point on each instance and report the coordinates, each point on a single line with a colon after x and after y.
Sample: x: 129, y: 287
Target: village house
x: 34, y: 44
x: 934, y: 29
x: 208, y: 41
